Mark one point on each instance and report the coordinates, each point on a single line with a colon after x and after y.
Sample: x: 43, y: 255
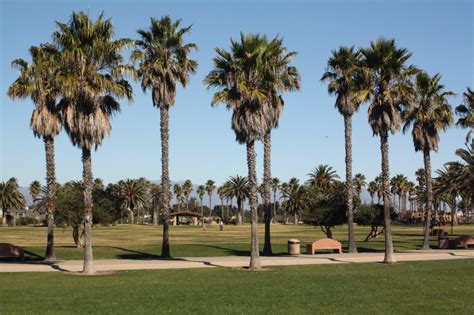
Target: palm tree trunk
x: 254, y: 253
x: 295, y: 216
x: 267, y: 177
x: 349, y: 189
x: 165, y: 179
x: 51, y: 196
x: 429, y: 201
x: 389, y: 256
x: 87, y: 179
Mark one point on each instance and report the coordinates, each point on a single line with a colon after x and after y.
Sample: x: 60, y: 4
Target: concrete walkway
x: 233, y: 261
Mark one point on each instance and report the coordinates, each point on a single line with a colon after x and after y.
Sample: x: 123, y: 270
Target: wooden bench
x: 465, y: 240
x: 324, y: 244
x: 9, y: 250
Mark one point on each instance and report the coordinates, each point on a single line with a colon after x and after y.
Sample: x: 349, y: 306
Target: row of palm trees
x: 399, y: 95
x: 77, y: 81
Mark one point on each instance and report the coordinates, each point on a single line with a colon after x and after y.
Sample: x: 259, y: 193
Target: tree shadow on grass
x: 230, y: 251
x: 134, y: 254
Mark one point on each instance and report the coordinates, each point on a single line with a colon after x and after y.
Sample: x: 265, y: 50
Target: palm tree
x: 156, y: 194
x: 239, y: 77
x: 93, y: 68
x: 210, y: 187
x: 342, y: 76
x: 275, y: 187
x: 323, y: 177
x: 466, y: 176
x: 187, y: 190
x: 163, y: 63
x: 372, y: 189
x: 430, y: 115
x: 10, y: 198
x: 178, y: 192
x: 201, y: 191
x: 39, y: 81
x: 447, y: 187
x: 134, y: 194
x: 465, y: 113
x: 279, y: 78
x: 389, y: 79
x: 359, y: 183
x: 238, y: 187
x: 296, y: 201
x: 221, y: 193
x: 35, y: 190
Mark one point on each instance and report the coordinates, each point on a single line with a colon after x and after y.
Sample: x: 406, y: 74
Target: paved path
x: 233, y: 261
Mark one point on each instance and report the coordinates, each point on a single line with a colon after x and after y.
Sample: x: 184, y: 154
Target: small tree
x: 373, y: 216
x: 326, y: 210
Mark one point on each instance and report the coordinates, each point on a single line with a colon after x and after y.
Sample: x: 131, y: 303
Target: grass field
x: 139, y: 241
x: 405, y: 288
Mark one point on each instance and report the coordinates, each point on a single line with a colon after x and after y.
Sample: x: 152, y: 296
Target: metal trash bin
x: 443, y: 242
x: 293, y: 247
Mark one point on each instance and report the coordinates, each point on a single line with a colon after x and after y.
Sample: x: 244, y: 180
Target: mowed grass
x: 144, y: 241
x: 436, y: 287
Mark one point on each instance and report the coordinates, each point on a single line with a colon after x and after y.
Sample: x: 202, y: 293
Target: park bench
x: 9, y: 250
x: 465, y: 240
x: 324, y: 244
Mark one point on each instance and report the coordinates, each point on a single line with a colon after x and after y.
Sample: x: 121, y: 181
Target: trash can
x: 293, y: 247
x: 443, y: 242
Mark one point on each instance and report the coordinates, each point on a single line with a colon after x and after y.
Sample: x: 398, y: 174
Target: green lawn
x: 405, y: 288
x: 138, y: 241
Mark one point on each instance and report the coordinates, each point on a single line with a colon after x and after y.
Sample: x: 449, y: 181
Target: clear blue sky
x: 202, y: 146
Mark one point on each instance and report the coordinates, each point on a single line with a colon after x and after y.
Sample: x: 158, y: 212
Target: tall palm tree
x: 279, y: 77
x: 342, y: 76
x: 201, y: 191
x: 466, y: 176
x: 163, y: 63
x: 238, y: 187
x: 40, y: 82
x: 156, y: 194
x: 187, y: 190
x: 178, y: 192
x: 10, y: 198
x: 465, y: 113
x: 430, y: 115
x: 323, y: 177
x: 275, y: 187
x: 240, y: 80
x: 93, y: 69
x: 388, y: 78
x: 210, y: 187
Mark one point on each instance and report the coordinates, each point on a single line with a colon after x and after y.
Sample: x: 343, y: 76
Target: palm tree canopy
x: 40, y: 82
x: 465, y: 112
x: 359, y: 182
x: 390, y: 86
x: 201, y: 191
x: 323, y: 177
x: 210, y: 186
x: 163, y: 58
x: 10, y: 196
x: 344, y: 79
x: 134, y: 193
x: 430, y: 114
x: 92, y: 77
x: 238, y: 76
x: 237, y: 187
